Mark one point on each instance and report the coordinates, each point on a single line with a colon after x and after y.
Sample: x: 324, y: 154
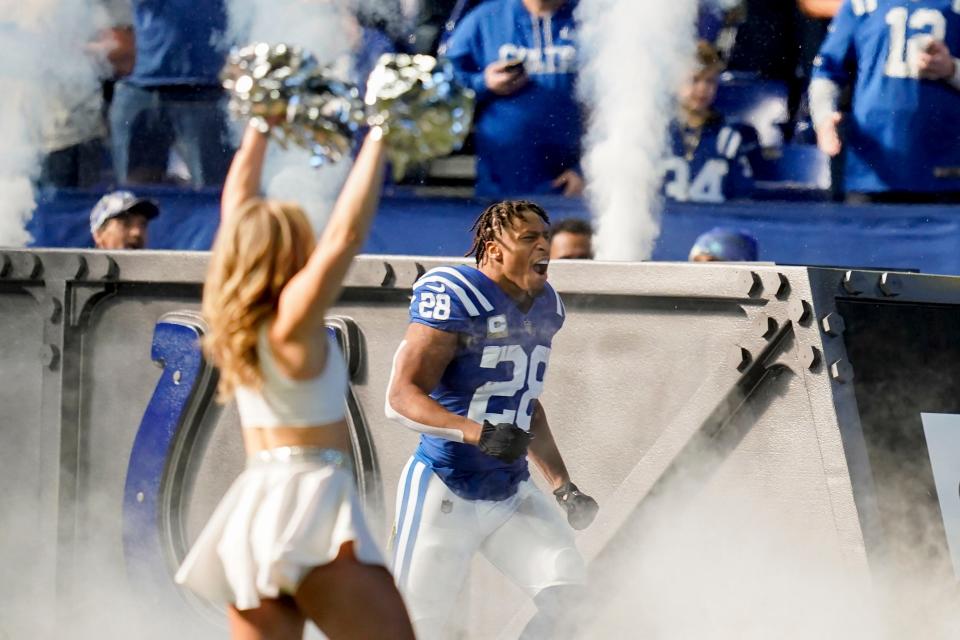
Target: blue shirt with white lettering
x: 496, y: 375
x: 904, y: 131
x: 526, y: 140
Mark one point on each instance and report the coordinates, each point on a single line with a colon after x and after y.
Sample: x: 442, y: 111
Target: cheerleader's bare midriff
x: 335, y: 435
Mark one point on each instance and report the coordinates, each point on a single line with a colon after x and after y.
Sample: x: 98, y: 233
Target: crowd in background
x: 160, y: 117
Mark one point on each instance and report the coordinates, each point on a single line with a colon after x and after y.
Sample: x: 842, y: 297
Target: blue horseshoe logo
x: 180, y: 404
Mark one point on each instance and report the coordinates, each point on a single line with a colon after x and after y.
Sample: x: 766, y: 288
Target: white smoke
x: 729, y: 568
x: 45, y: 77
x: 728, y: 565
x: 634, y: 54
x: 327, y: 29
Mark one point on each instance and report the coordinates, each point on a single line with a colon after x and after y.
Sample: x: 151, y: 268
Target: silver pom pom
x: 412, y: 101
x: 282, y: 89
x: 422, y: 111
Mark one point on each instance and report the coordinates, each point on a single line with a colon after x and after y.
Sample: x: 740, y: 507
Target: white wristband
x: 823, y: 96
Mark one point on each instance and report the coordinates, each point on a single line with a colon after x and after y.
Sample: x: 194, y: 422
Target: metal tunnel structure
x: 828, y: 397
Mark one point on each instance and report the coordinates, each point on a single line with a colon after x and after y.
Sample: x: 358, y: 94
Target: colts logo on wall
x: 169, y: 446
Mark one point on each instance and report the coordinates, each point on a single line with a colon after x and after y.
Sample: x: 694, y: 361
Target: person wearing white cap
x: 119, y: 220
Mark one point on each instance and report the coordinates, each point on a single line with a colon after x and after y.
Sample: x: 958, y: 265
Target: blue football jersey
x: 496, y: 375
x: 711, y: 164
x: 904, y: 133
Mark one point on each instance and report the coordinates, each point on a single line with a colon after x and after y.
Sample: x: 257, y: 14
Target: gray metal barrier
x: 670, y: 384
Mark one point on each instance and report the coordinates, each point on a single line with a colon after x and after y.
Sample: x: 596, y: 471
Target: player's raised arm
x: 418, y: 364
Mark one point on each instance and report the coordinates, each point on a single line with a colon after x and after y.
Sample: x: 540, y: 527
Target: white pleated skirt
x: 290, y: 510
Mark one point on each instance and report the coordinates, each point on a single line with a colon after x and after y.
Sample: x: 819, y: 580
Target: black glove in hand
x: 581, y: 509
x: 503, y: 441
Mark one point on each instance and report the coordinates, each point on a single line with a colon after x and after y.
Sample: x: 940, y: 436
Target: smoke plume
x: 634, y: 55
x: 46, y: 80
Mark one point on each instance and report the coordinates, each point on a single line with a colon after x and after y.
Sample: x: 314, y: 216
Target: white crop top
x: 283, y: 401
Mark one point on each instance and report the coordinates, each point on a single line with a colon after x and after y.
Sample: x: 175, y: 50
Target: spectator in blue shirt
x: 901, y: 139
x: 173, y: 97
x: 520, y: 56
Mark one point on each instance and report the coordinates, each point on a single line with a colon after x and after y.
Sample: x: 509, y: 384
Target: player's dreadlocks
x: 489, y: 224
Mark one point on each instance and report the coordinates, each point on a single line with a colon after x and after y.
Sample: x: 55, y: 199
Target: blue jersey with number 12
x: 904, y: 132
x: 496, y: 374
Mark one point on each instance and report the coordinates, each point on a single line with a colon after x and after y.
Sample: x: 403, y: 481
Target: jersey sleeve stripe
x: 460, y: 293
x: 476, y: 292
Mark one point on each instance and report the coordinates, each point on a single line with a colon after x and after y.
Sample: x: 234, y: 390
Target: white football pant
x: 436, y: 534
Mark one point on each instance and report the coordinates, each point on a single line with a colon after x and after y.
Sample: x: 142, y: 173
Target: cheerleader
x: 288, y: 542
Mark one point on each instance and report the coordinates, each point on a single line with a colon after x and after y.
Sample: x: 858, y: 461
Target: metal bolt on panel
x: 833, y: 324
x: 775, y: 284
x: 101, y: 267
x: 739, y: 358
x: 25, y: 266
x: 800, y: 311
x: 749, y: 284
x: 52, y: 309
x: 841, y: 371
x: 783, y: 289
x: 810, y: 357
x: 405, y: 273
x: 389, y: 275
x: 852, y: 283
x: 765, y: 325
x: 34, y: 267
x: 891, y: 284
x: 81, y: 268
x: 63, y: 266
x: 49, y: 356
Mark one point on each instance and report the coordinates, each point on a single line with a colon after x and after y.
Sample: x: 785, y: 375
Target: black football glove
x: 581, y: 509
x: 503, y: 441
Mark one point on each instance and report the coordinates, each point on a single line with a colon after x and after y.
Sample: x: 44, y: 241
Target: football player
x: 468, y: 376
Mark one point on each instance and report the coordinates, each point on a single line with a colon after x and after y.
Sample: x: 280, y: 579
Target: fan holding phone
x: 520, y: 57
x: 505, y: 77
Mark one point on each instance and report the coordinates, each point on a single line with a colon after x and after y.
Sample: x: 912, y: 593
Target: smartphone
x: 513, y: 66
